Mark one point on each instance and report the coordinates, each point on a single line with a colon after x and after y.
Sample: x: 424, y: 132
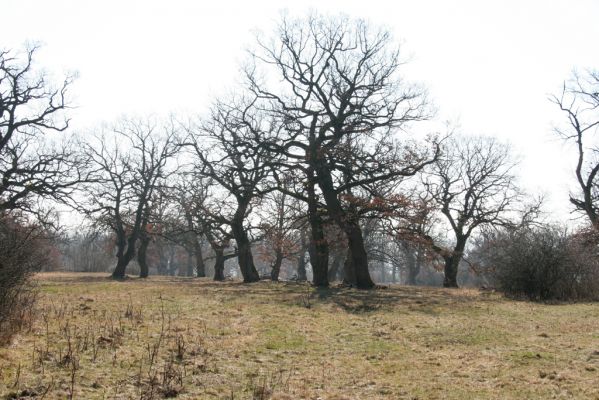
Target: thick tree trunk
x: 351, y: 227
x: 349, y: 273
x: 124, y: 258
x: 219, y: 264
x: 451, y: 272
x: 142, y: 258
x: 244, y: 250
x: 246, y: 260
x: 276, y: 266
x: 452, y: 263
x: 359, y: 258
x: 119, y: 270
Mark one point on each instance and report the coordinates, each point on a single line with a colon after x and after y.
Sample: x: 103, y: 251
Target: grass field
x: 195, y: 339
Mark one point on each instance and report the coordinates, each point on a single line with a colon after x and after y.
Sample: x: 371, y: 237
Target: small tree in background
x: 472, y: 185
x: 579, y: 102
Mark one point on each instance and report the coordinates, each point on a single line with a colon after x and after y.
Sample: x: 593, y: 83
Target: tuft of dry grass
x: 183, y: 338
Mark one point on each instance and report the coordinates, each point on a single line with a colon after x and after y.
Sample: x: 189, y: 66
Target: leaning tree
x: 228, y: 149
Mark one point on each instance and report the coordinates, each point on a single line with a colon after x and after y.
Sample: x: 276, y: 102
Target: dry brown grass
x: 195, y: 339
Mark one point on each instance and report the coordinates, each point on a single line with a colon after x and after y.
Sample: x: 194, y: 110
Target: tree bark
x: 413, y: 267
x: 219, y: 264
x: 276, y: 266
x: 351, y: 227
x: 359, y: 258
x: 244, y: 249
x: 334, y: 270
x: 318, y: 247
x: 142, y: 258
x: 349, y: 273
x: 124, y: 258
x: 200, y: 266
x: 452, y: 263
x: 301, y: 260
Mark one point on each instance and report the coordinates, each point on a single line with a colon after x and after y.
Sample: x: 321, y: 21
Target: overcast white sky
x: 488, y: 64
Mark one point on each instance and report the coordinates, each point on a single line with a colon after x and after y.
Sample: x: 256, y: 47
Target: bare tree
x: 579, y: 101
x: 31, y: 108
x: 472, y: 185
x: 281, y: 218
x: 340, y: 84
x: 129, y: 164
x: 228, y: 148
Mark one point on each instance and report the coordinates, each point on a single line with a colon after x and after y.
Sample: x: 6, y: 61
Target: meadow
x: 186, y: 338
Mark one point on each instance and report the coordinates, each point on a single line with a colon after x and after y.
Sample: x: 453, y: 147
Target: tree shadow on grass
x: 300, y: 294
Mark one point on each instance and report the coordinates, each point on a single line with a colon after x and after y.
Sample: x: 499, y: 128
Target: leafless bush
x: 545, y: 263
x: 24, y: 250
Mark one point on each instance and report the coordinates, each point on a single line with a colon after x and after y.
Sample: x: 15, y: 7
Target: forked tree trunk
x: 124, y: 258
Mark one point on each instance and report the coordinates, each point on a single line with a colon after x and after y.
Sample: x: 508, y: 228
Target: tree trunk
x: 121, y: 243
x: 219, y: 264
x: 451, y: 272
x: 142, y: 258
x: 351, y: 227
x: 411, y: 266
x: 334, y: 270
x: 123, y: 259
x: 244, y: 247
x: 301, y: 260
x: 349, y: 273
x: 452, y: 263
x: 190, y: 266
x: 318, y: 247
x: 276, y: 266
x: 200, y: 266
x: 359, y: 258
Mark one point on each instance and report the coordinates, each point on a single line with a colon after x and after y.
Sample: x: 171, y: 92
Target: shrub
x: 24, y: 250
x: 544, y: 263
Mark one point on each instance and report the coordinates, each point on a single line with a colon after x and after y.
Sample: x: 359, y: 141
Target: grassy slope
x: 198, y: 339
